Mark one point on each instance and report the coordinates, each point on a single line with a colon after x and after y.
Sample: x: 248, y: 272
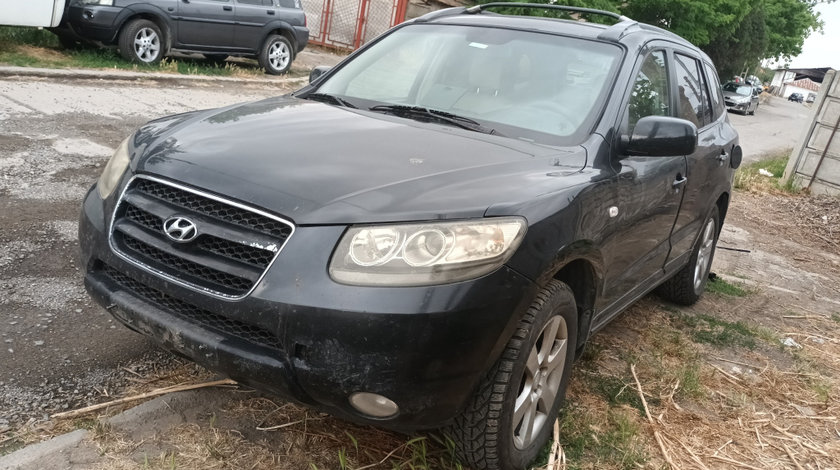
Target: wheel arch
x: 283, y: 29
x: 582, y: 277
x: 722, y: 205
x: 146, y: 14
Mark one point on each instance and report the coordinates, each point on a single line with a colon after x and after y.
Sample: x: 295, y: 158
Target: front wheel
x: 686, y: 286
x: 508, y: 421
x: 142, y: 42
x: 276, y: 55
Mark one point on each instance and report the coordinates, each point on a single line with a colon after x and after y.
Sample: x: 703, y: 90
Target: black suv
x: 426, y: 235
x: 273, y: 31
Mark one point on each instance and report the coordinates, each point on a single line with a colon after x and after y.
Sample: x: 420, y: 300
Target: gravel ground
x: 58, y: 350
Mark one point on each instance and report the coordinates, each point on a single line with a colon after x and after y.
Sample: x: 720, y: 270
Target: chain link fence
x: 347, y: 24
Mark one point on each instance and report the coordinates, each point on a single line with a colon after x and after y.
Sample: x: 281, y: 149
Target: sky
x: 822, y: 50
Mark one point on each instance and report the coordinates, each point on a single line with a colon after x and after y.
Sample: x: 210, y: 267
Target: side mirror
x: 317, y: 72
x: 662, y: 136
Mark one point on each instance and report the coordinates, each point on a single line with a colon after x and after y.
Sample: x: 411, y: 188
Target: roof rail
x: 548, y: 6
x: 439, y: 14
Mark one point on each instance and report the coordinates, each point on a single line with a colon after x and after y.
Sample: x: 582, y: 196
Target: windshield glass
x: 743, y: 90
x: 526, y: 85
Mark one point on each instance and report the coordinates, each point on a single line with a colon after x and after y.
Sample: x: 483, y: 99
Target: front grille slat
x: 233, y: 249
x: 194, y: 314
x: 213, y: 208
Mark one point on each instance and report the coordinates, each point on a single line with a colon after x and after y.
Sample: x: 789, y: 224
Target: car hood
x: 321, y: 164
x: 735, y: 96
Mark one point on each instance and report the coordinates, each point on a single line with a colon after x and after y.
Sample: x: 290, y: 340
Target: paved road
x: 775, y: 127
x: 56, y: 346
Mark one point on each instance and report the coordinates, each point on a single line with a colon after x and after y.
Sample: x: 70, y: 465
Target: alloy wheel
x: 279, y: 55
x: 540, y: 382
x: 704, y: 254
x: 146, y: 45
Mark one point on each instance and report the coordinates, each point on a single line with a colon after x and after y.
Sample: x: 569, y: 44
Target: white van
x: 45, y: 13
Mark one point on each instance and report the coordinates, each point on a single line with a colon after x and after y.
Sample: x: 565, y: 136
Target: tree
x: 737, y: 34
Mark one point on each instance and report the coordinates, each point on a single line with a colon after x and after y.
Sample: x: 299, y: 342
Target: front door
x: 206, y: 23
x: 646, y: 195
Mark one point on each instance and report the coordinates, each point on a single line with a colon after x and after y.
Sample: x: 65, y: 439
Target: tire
x: 493, y: 433
x: 68, y: 42
x: 688, y: 284
x: 141, y: 42
x: 276, y: 55
x: 217, y: 59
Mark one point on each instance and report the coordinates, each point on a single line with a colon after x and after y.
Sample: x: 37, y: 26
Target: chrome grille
x: 232, y: 252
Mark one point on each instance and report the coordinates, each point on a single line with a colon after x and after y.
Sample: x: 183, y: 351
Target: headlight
x: 98, y: 2
x: 425, y: 254
x: 114, y: 170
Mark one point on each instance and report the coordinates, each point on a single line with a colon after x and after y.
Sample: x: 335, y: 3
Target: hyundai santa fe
x: 427, y: 234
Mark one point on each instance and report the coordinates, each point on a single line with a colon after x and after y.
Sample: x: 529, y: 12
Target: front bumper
x: 740, y: 107
x: 304, y: 337
x: 94, y: 22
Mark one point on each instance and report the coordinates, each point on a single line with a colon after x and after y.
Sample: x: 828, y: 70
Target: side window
x: 714, y: 91
x: 693, y: 101
x: 288, y: 4
x: 252, y: 2
x: 649, y: 96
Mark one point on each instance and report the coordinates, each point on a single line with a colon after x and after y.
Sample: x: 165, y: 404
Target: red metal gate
x: 347, y: 24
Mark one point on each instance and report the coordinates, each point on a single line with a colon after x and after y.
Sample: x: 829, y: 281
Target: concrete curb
x: 76, y: 451
x: 123, y: 75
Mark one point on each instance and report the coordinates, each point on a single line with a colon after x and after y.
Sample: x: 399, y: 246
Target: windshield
x: 743, y: 90
x: 526, y: 85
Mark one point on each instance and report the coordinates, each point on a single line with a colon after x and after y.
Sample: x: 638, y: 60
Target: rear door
x: 708, y: 171
x: 251, y: 16
x: 206, y: 24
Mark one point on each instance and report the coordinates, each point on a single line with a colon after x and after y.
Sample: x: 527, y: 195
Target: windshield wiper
x: 433, y: 114
x: 328, y: 98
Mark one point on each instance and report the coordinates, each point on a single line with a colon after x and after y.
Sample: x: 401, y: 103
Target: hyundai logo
x: 180, y: 229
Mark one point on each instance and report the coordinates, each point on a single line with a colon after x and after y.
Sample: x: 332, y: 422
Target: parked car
x: 272, y: 31
x: 797, y: 97
x: 811, y: 98
x: 428, y: 233
x: 741, y: 98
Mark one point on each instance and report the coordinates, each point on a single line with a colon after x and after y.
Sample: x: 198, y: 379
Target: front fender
x: 147, y: 11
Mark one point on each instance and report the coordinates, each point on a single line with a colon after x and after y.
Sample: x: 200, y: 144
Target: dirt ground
x: 747, y: 378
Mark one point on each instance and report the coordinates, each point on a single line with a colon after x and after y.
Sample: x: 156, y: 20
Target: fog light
x: 373, y: 405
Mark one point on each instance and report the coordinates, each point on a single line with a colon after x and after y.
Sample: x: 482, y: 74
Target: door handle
x: 270, y: 12
x: 681, y: 180
x: 227, y: 8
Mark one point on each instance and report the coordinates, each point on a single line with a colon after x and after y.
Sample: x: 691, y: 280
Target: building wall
x: 815, y: 161
x: 789, y: 89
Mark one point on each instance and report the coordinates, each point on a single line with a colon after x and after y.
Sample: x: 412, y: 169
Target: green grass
x: 707, y: 329
x: 719, y: 286
x: 615, y: 443
x: 50, y: 55
x: 748, y: 178
x: 619, y: 392
x: 14, y: 35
